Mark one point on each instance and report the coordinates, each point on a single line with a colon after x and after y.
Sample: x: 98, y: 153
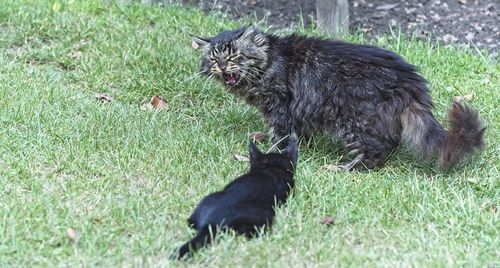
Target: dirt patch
x: 463, y: 22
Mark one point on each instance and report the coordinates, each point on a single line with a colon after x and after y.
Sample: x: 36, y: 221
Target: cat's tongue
x: 231, y: 79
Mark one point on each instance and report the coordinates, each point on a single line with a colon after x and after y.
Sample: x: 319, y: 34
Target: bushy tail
x: 464, y: 136
x: 426, y: 136
x: 202, y: 238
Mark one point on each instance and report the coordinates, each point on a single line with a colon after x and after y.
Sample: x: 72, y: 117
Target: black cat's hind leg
x: 204, y: 237
x: 249, y: 224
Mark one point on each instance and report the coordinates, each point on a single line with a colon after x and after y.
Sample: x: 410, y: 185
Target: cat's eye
x: 233, y: 58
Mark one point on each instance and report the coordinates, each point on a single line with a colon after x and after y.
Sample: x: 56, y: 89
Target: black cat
x: 248, y: 202
x: 367, y: 97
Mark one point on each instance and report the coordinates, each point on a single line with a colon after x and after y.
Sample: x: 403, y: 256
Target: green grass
x: 126, y: 179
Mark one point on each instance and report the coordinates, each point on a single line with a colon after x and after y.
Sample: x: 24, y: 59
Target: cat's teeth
x: 231, y: 79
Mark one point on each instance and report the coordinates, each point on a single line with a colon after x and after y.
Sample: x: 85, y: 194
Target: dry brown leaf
x: 472, y: 180
x: 195, y: 45
x: 82, y: 43
x: 447, y: 38
x: 468, y: 97
x: 366, y: 29
x: 331, y: 167
x: 257, y: 136
x: 71, y: 234
x: 386, y: 6
x: 469, y: 36
x: 328, y: 221
x: 75, y: 55
x: 159, y: 103
x: 103, y: 97
x: 241, y: 158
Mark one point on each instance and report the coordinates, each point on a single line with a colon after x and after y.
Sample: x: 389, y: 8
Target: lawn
x: 124, y: 179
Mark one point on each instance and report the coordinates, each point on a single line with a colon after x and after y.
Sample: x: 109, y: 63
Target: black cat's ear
x: 292, y: 151
x: 199, y: 42
x: 254, y: 152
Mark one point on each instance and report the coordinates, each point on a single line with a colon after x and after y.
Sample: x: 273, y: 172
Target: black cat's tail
x: 204, y: 237
x: 422, y: 132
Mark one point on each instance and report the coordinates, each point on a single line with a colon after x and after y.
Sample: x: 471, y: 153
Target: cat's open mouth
x: 231, y: 79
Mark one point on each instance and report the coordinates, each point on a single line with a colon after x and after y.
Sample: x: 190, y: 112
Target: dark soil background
x: 463, y: 22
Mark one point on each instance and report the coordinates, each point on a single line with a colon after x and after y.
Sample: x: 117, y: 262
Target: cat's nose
x: 222, y: 66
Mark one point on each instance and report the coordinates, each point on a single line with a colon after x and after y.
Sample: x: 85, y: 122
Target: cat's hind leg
x: 249, y: 224
x: 368, y: 151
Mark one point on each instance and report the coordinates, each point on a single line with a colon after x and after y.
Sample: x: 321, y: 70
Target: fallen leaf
x: 75, y: 55
x: 257, y: 136
x: 82, y: 43
x: 386, y: 6
x: 472, y: 180
x: 159, y: 103
x: 71, y: 234
x: 103, y: 97
x: 421, y: 17
x: 195, y: 45
x: 56, y: 6
x: 436, y: 17
x: 468, y: 97
x: 328, y: 221
x: 469, y: 36
x: 494, y: 210
x: 463, y: 2
x: 241, y: 158
x: 447, y: 38
x: 366, y: 29
x: 379, y: 15
x: 331, y: 167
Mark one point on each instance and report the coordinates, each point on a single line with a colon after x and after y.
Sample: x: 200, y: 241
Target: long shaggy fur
x: 368, y: 97
x: 463, y: 137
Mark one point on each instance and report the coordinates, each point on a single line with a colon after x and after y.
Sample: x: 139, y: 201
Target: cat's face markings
x: 234, y: 56
x: 223, y: 58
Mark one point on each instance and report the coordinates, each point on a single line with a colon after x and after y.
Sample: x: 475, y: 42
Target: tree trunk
x: 333, y: 16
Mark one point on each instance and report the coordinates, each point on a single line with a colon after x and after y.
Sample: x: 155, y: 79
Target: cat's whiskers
x: 207, y: 78
x: 200, y: 74
x: 254, y: 70
x: 256, y: 76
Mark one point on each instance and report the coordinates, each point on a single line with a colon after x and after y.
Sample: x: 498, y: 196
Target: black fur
x: 248, y: 202
x: 367, y: 97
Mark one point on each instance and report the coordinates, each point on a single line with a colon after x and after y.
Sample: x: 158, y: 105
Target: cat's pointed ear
x: 247, y: 33
x: 199, y: 42
x: 292, y: 151
x: 254, y: 152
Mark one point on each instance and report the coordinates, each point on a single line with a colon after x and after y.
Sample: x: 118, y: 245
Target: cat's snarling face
x: 234, y: 57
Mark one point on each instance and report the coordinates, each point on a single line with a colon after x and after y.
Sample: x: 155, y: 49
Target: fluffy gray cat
x: 367, y: 97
